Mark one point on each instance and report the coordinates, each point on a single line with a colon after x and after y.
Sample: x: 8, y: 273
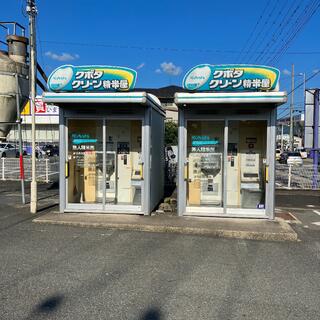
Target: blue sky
x: 163, y: 39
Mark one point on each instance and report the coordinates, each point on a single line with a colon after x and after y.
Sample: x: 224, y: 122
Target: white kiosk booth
x: 111, y: 141
x: 227, y: 136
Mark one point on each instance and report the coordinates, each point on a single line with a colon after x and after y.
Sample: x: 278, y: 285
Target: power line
x: 302, y: 83
x: 297, y: 87
x: 285, y: 22
x: 272, y: 39
x: 260, y: 31
x: 300, y: 22
x: 133, y: 47
x: 265, y: 29
x: 253, y: 31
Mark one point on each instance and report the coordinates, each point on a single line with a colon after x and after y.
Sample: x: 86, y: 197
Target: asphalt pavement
x: 63, y: 272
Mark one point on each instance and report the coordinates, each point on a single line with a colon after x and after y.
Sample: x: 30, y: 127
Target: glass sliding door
x: 85, y: 161
x: 205, y: 145
x: 246, y: 164
x: 124, y: 172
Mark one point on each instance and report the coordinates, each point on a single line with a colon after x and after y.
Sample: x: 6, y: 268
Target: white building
x: 47, y: 124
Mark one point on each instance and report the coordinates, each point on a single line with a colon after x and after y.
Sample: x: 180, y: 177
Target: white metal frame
x: 103, y: 207
x: 183, y: 209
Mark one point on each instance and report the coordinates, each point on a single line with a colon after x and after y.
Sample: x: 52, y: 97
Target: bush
x: 171, y: 133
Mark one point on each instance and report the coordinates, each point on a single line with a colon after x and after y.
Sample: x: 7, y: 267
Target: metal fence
x: 47, y: 170
x: 297, y: 177
x: 170, y: 173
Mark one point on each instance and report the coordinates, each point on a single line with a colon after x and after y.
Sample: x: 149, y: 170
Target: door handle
x: 186, y: 172
x: 141, y: 170
x: 67, y: 171
x: 267, y: 173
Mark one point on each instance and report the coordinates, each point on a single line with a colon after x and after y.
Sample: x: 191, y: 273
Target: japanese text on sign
x: 231, y: 78
x: 93, y: 78
x: 234, y: 77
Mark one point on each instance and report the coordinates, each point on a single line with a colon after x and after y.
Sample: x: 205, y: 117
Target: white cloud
x: 286, y: 72
x: 140, y: 66
x: 64, y: 56
x: 169, y: 68
x: 315, y: 70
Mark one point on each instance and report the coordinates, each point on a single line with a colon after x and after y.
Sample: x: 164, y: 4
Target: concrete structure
x: 14, y: 82
x: 227, y: 153
x: 111, y: 151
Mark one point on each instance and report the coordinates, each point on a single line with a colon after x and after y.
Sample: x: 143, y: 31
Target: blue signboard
x: 70, y: 78
x: 204, y: 144
x: 223, y: 78
x: 203, y: 141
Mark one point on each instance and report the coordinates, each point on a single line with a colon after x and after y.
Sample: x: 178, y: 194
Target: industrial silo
x: 14, y: 78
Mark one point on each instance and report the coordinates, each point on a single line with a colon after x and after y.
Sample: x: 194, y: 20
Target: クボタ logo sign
x: 222, y: 78
x: 70, y: 78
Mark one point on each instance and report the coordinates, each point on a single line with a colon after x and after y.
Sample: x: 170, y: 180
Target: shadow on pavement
x: 46, y: 307
x: 152, y: 314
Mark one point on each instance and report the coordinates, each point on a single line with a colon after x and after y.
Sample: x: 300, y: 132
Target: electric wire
x: 304, y: 17
x: 258, y: 34
x: 252, y: 32
x: 261, y: 38
x: 295, y: 88
x: 275, y: 22
x: 301, y: 21
x: 132, y: 47
x: 285, y: 23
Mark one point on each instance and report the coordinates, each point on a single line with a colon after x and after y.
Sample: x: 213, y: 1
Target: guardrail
x: 47, y: 170
x: 297, y: 177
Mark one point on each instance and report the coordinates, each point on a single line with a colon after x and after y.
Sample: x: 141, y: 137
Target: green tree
x: 171, y: 133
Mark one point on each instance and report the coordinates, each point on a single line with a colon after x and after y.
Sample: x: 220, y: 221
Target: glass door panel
x: 123, y: 162
x: 246, y: 162
x: 205, y: 143
x: 85, y: 161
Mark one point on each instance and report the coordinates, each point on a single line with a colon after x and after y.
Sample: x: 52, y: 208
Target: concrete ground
x: 64, y: 272
x: 254, y: 229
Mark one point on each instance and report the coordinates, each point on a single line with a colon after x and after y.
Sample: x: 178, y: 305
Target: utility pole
x: 315, y: 138
x: 20, y: 140
x: 282, y: 137
x: 291, y: 109
x: 32, y: 12
x: 304, y: 105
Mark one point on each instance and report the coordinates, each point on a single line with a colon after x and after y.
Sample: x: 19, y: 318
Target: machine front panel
x: 205, y: 163
x: 85, y: 161
x: 246, y: 164
x: 123, y: 165
x: 223, y: 185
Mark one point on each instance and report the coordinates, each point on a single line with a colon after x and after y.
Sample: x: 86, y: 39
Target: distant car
x: 294, y: 158
x: 278, y: 153
x: 8, y: 150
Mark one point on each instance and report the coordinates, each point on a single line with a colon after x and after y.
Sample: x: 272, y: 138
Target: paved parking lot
x: 60, y: 272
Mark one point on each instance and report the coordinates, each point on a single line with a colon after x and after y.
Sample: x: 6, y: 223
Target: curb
x: 288, y: 235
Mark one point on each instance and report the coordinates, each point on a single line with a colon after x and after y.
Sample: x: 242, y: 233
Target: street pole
x: 315, y: 138
x: 291, y: 109
x: 304, y: 105
x: 20, y: 140
x: 281, y: 137
x: 32, y: 12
